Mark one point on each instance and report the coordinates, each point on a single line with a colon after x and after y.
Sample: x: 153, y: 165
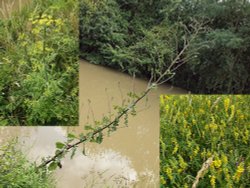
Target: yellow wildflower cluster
x: 217, y: 163
x: 169, y: 173
x: 239, y: 172
x: 45, y: 21
x: 212, y: 180
x: 226, y: 103
x: 192, y: 133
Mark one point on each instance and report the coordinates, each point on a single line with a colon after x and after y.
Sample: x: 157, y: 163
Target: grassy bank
x: 38, y: 64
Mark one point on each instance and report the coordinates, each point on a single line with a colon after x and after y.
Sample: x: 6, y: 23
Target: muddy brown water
x: 128, y: 158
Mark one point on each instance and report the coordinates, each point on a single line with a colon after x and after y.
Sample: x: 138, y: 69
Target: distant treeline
x: 140, y: 36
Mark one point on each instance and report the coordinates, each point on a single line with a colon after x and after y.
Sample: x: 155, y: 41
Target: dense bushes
x: 222, y: 67
x: 195, y: 127
x: 139, y: 37
x: 38, y: 65
x: 16, y: 171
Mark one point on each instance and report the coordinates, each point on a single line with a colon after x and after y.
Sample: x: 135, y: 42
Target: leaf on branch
x: 60, y: 145
x: 82, y: 136
x: 59, y: 164
x: 116, y: 122
x: 89, y: 137
x: 88, y: 127
x: 73, y: 153
x: 71, y: 137
x: 52, y: 166
x: 99, y: 138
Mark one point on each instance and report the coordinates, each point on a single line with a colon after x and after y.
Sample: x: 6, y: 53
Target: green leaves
x: 17, y: 171
x: 52, y: 166
x: 60, y: 145
x: 99, y: 138
x: 45, y: 85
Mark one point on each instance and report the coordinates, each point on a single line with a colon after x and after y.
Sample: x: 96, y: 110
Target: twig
x: 65, y: 150
x: 203, y: 169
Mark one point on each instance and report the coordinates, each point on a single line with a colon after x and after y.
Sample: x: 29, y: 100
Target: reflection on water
x: 128, y: 158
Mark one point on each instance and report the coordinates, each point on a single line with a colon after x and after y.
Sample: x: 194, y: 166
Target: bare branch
x: 203, y: 169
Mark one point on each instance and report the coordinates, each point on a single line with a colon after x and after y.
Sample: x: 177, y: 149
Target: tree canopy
x: 141, y: 36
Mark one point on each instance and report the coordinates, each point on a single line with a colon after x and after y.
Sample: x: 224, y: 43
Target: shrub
x: 38, y: 65
x: 16, y: 171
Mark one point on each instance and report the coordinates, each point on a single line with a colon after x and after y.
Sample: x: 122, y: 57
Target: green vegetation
x: 38, y: 64
x: 144, y: 36
x: 16, y: 171
x: 197, y: 127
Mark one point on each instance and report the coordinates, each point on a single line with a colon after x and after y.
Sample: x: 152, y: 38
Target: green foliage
x: 38, y: 65
x: 143, y: 37
x: 195, y: 127
x: 223, y: 66
x: 16, y: 171
x: 126, y: 35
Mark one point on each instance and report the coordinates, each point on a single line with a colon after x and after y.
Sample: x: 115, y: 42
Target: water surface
x: 128, y: 158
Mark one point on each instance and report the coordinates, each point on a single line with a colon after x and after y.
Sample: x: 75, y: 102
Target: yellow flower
x: 224, y: 159
x: 239, y: 172
x: 203, y: 153
x: 36, y: 30
x: 39, y: 45
x: 217, y: 163
x: 196, y: 151
x: 245, y: 137
x: 161, y: 99
x: 166, y: 108
x: 169, y: 172
x: 241, y: 117
x: 163, y: 181
x: 209, y: 103
x: 201, y: 111
x: 174, y: 141
x: 212, y: 180
x: 236, y: 135
x: 175, y: 148
x: 193, y: 121
x: 227, y: 175
x: 226, y: 104
x: 182, y: 163
x: 211, y: 126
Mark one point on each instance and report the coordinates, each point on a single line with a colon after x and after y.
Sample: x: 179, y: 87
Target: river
x: 128, y: 158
